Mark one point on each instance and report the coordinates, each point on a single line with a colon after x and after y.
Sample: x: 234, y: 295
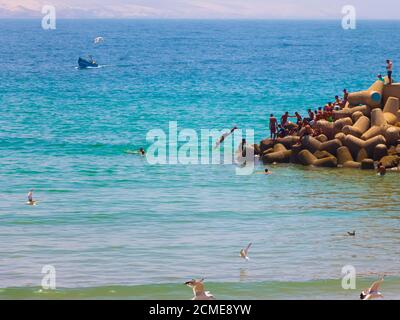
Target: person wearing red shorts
x: 273, y: 124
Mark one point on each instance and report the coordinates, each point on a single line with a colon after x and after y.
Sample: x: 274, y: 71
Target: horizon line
x: 199, y: 19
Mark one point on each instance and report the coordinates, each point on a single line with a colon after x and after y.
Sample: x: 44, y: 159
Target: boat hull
x: 86, y: 64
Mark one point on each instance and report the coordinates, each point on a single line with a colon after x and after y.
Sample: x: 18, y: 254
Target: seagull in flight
x: 198, y: 290
x: 244, y: 252
x: 373, y: 291
x: 98, y: 39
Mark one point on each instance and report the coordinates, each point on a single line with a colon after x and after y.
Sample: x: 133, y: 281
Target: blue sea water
x: 108, y: 219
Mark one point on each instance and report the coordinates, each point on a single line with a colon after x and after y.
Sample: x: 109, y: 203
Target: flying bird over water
x: 198, y: 290
x: 372, y: 292
x: 244, y: 252
x: 98, y: 39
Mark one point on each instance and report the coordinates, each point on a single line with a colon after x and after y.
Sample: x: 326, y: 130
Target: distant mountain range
x: 89, y: 9
x: 192, y: 9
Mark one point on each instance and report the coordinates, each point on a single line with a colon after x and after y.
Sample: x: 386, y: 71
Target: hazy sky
x: 223, y: 9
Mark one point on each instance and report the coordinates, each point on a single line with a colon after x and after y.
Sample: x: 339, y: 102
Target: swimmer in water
x: 224, y: 136
x: 266, y: 171
x: 381, y: 169
x: 140, y: 151
x: 372, y: 292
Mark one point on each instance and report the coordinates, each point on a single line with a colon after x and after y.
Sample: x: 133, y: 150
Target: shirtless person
x: 338, y: 102
x: 284, y: 119
x: 273, y: 124
x: 299, y: 118
x: 307, y: 132
x: 311, y: 116
x: 381, y: 169
x: 224, y: 136
x: 266, y: 171
x: 389, y: 68
x: 140, y: 151
x: 345, y: 97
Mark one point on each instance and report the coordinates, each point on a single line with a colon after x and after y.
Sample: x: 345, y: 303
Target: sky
x: 202, y: 9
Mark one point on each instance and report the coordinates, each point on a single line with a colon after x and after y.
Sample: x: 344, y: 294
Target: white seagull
x: 198, y: 290
x: 98, y: 39
x: 244, y: 252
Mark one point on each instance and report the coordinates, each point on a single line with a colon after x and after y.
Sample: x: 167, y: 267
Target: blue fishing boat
x: 86, y: 63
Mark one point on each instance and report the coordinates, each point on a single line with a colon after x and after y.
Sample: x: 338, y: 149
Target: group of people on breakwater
x: 358, y: 130
x: 288, y: 128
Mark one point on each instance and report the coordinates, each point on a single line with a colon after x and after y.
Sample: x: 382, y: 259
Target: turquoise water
x: 107, y: 219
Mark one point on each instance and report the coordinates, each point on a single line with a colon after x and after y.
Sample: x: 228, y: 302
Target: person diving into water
x: 224, y: 136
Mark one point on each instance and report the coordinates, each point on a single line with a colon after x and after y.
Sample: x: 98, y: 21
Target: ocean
x: 115, y: 226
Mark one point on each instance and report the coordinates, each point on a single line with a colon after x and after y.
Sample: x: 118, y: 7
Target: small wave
x: 98, y: 67
x: 319, y: 289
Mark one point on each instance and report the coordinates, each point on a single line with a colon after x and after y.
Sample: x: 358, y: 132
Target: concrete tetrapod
x: 392, y: 135
x: 372, y: 96
x: 345, y: 158
x: 307, y: 158
x: 356, y: 115
x: 359, y: 128
x: 392, y: 90
x: 280, y: 154
x: 348, y: 112
x: 314, y: 145
x: 380, y: 151
x: 378, y: 125
x: 331, y: 128
x: 390, y: 111
x: 367, y: 164
x: 356, y: 144
x: 288, y: 142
